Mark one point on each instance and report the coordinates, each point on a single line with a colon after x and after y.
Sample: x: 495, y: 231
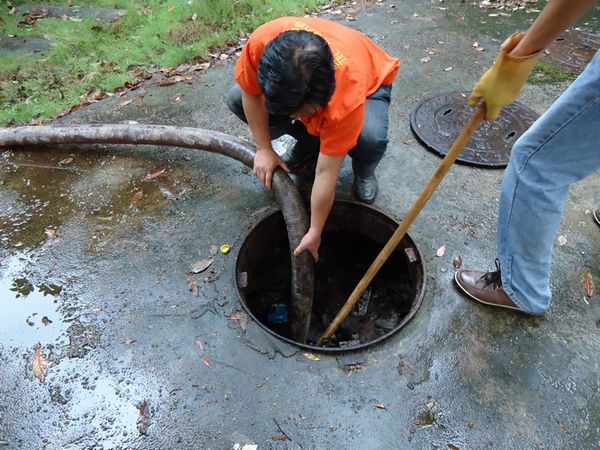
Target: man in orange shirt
x: 329, y: 87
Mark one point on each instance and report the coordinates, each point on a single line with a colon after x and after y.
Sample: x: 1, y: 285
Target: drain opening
x: 349, y: 246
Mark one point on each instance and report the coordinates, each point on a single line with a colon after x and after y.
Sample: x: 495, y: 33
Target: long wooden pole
x: 459, y: 144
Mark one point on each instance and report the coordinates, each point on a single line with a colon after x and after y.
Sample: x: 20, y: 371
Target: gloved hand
x: 501, y: 84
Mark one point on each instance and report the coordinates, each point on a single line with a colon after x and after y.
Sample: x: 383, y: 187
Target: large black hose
x: 286, y: 193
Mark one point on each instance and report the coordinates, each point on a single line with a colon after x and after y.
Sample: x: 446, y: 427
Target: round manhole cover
x: 572, y: 50
x: 438, y: 120
x: 353, y: 236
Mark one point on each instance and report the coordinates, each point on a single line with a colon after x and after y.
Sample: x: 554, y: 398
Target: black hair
x: 296, y: 68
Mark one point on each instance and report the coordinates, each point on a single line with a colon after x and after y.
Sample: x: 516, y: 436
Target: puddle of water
x: 29, y: 311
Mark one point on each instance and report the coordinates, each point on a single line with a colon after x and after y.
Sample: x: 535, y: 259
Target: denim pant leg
x: 373, y: 140
x: 561, y: 148
x: 278, y: 125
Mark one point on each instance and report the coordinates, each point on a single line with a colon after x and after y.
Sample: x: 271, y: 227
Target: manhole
x: 572, y: 50
x: 438, y: 120
x: 354, y: 235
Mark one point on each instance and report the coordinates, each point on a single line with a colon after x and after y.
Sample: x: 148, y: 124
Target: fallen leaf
x: 126, y: 102
x: 153, y: 175
x: 430, y: 404
x: 137, y: 197
x: 236, y: 316
x: 199, y: 344
x: 201, y: 266
x: 40, y: 365
x: 192, y: 284
x: 129, y: 341
x: 311, y: 356
x: 407, y: 141
x: 65, y: 161
x: 441, y: 250
x: 96, y: 309
x: 562, y: 426
x: 46, y: 321
x: 50, y: 233
x: 588, y: 283
x: 280, y: 437
x: 453, y: 447
x: 170, y: 8
x: 205, y: 361
x: 379, y: 405
x: 457, y: 262
x: 143, y: 421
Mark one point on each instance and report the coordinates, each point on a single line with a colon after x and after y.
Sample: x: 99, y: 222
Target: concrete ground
x: 137, y: 361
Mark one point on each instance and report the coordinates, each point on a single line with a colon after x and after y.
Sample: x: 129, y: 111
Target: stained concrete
x: 127, y: 330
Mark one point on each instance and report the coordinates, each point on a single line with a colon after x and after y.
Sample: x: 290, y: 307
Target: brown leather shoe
x: 597, y: 215
x: 484, y: 287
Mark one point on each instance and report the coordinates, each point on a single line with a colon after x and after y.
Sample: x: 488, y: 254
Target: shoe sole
x: 512, y: 308
x: 596, y: 218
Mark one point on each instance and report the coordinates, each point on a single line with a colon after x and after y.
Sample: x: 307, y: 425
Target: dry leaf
x: 201, y: 266
x: 126, y: 102
x: 65, y: 161
x: 50, y: 233
x: 280, y: 437
x: 407, y: 141
x: 236, y: 316
x: 311, y: 357
x: 205, y: 361
x: 40, y: 365
x: 457, y: 262
x: 46, y: 321
x: 170, y: 8
x: 137, y: 197
x: 96, y: 309
x: 192, y: 284
x: 588, y: 283
x: 153, y: 175
x: 441, y: 250
x: 380, y: 406
x: 430, y: 404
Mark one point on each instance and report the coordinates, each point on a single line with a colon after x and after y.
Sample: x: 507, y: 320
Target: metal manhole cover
x: 572, y: 50
x: 438, y: 120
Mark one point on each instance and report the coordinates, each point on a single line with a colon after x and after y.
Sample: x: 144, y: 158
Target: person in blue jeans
x: 561, y: 148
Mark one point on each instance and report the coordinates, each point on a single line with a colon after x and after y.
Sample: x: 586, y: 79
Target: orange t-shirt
x: 360, y: 69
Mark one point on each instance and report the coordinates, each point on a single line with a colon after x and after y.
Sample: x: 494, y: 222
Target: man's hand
x: 311, y: 242
x: 265, y: 162
x: 502, y: 83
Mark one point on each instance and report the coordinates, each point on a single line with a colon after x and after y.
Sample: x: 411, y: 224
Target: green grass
x: 88, y: 54
x: 543, y: 73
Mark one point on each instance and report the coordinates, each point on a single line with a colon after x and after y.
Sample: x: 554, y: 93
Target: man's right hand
x: 265, y: 163
x: 502, y: 83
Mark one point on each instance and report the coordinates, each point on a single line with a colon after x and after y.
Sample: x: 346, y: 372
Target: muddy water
x: 344, y: 258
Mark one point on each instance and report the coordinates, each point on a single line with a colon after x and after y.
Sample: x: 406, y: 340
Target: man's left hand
x: 311, y: 242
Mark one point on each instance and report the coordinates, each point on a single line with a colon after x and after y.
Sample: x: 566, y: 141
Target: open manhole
x: 438, y: 120
x: 572, y: 50
x: 354, y: 235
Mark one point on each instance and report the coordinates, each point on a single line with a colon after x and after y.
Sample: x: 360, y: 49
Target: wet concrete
x: 137, y: 360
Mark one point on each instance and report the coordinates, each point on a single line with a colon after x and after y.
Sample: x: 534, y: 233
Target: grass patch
x: 543, y: 73
x: 87, y: 54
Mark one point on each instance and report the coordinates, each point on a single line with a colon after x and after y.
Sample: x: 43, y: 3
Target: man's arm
x: 321, y: 200
x: 266, y: 160
x: 501, y: 84
x: 557, y: 16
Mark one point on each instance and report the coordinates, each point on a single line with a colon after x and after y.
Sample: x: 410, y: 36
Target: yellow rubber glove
x: 501, y: 84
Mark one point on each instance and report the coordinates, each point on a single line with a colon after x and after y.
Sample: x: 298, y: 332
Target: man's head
x: 296, y: 69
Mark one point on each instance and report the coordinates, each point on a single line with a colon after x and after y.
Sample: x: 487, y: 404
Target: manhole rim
x: 416, y: 304
x: 430, y: 148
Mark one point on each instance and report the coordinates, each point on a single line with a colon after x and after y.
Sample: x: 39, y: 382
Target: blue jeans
x: 561, y: 148
x: 372, y: 141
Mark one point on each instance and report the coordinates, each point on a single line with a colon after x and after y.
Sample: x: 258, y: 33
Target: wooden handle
x: 459, y: 144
